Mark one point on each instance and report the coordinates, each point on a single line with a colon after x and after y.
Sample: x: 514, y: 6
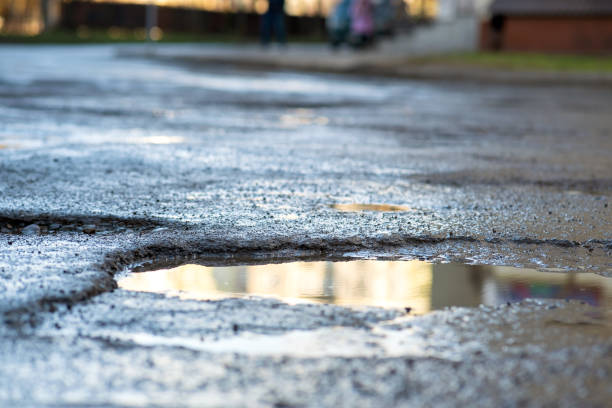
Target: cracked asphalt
x: 107, y: 162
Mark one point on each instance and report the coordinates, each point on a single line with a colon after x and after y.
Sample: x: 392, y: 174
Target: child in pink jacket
x: 362, y: 22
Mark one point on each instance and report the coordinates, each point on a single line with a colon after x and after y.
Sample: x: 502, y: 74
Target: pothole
x: 416, y: 286
x: 369, y: 207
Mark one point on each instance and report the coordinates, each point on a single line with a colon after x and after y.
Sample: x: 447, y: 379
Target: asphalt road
x: 120, y: 161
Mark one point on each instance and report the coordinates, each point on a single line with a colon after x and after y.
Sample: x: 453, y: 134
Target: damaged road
x: 107, y: 163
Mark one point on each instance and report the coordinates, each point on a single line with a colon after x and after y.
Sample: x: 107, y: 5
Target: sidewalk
x: 386, y: 60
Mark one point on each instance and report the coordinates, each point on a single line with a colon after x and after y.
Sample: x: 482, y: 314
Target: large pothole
x: 415, y: 286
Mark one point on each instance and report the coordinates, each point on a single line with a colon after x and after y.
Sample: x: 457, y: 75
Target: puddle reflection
x: 302, y: 117
x: 8, y: 144
x: 369, y: 207
x: 162, y: 140
x: 419, y: 285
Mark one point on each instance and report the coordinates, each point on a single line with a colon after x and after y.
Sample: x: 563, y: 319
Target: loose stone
x: 31, y: 229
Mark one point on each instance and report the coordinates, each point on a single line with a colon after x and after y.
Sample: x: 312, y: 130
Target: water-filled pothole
x: 417, y: 285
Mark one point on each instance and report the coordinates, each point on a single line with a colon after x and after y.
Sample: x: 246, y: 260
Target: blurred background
x: 31, y: 17
x: 126, y: 19
x: 568, y: 26
x: 431, y: 26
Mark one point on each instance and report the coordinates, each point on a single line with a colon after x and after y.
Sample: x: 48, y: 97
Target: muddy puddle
x: 417, y: 285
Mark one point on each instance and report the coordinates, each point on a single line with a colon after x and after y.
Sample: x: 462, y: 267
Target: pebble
x: 31, y: 229
x: 89, y: 229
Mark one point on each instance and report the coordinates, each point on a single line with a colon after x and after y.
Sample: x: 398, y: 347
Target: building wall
x: 482, y: 7
x: 449, y: 10
x: 562, y: 34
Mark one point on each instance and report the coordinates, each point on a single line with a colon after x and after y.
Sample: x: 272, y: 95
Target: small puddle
x: 302, y: 117
x: 157, y: 140
x: 369, y: 207
x: 417, y: 285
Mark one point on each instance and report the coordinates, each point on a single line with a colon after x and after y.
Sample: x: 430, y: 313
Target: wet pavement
x: 111, y: 162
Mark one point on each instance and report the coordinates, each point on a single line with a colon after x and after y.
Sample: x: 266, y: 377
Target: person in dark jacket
x: 273, y: 20
x: 339, y: 23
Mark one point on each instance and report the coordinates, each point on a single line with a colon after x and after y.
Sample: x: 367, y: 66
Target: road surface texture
x: 108, y: 162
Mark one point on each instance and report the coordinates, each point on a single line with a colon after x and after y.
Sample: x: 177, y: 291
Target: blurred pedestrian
x: 362, y: 23
x: 339, y: 23
x: 273, y: 21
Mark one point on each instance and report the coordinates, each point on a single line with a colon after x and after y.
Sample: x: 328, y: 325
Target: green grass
x: 526, y: 61
x: 116, y: 35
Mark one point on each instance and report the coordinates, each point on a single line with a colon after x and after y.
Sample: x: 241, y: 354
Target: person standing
x: 362, y: 23
x: 339, y: 23
x: 273, y: 21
